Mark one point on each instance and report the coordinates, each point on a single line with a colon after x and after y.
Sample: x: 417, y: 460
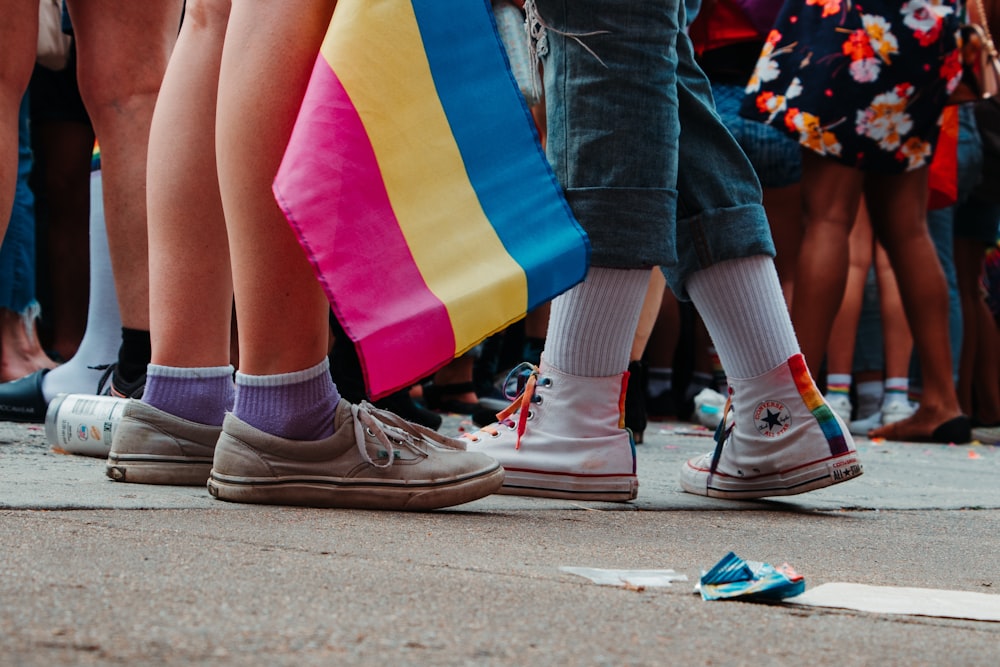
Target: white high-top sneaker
x: 564, y: 437
x: 784, y: 439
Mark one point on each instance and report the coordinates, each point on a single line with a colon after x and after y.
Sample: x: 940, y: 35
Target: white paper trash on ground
x: 900, y: 600
x: 636, y: 578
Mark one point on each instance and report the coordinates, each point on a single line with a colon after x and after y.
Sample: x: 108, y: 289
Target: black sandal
x: 22, y: 400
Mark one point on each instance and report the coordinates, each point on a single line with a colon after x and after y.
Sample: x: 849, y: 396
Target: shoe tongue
x: 342, y: 415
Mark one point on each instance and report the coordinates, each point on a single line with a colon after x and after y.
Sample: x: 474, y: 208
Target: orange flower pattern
x: 861, y: 82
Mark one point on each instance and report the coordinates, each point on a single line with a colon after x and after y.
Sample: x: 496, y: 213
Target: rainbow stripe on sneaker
x: 817, y: 405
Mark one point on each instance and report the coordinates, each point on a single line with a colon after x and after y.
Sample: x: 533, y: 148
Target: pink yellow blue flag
x: 417, y: 186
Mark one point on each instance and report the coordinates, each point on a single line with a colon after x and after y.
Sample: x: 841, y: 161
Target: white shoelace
x: 393, y: 431
x: 365, y: 422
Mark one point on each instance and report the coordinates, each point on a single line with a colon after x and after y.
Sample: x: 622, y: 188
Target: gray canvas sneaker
x: 154, y: 447
x: 374, y: 460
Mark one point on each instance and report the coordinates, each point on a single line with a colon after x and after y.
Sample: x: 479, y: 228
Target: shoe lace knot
x: 515, y: 416
x: 102, y: 384
x: 722, y: 432
x: 111, y: 384
x: 394, y: 432
x: 387, y: 435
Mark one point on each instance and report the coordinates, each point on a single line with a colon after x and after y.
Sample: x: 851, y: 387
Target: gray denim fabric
x: 776, y: 157
x: 648, y: 167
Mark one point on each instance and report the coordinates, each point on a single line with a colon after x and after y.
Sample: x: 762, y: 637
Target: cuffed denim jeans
x: 648, y: 167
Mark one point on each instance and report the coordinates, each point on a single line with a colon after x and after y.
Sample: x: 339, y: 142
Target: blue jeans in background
x: 17, y: 254
x: 943, y: 222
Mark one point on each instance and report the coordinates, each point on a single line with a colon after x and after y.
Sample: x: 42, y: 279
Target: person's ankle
x: 296, y: 406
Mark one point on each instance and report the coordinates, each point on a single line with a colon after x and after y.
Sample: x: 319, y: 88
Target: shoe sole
x: 987, y: 435
x: 808, y: 477
x: 139, y: 469
x: 609, y: 488
x: 353, y: 494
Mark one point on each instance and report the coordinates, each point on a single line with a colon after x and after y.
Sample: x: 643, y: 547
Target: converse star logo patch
x: 772, y: 419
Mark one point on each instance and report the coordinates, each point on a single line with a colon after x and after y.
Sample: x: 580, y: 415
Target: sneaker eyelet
x: 545, y: 382
x: 531, y: 415
x: 494, y: 435
x: 511, y: 426
x: 369, y: 431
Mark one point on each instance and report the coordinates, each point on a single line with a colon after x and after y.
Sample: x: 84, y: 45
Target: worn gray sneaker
x: 151, y: 446
x: 374, y: 460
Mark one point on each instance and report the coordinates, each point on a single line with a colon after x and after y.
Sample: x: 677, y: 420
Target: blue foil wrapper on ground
x: 733, y: 577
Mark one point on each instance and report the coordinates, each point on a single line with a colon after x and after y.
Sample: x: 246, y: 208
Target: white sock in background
x: 869, y: 395
x: 897, y: 390
x: 103, y: 335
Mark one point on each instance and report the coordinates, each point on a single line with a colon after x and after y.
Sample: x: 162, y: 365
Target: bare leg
x: 898, y: 341
x: 979, y: 389
x: 665, y: 335
x: 190, y: 280
x: 784, y: 213
x: 18, y: 46
x: 636, y: 403
x: 831, y: 194
x: 536, y: 326
x: 649, y: 313
x: 266, y: 63
x: 840, y: 351
x: 20, y: 352
x: 986, y: 382
x: 122, y: 51
x: 898, y: 210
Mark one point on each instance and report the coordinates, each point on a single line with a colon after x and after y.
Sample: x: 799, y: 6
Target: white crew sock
x: 897, y: 390
x: 591, y: 326
x: 741, y: 303
x: 838, y: 383
x: 103, y: 335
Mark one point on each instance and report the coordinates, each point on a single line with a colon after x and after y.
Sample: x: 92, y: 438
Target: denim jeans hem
x: 628, y: 227
x: 717, y: 235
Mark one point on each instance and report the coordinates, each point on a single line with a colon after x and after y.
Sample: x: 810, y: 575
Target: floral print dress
x: 862, y: 82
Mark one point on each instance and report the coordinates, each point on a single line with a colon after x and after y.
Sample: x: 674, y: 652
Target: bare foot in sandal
x: 927, y: 425
x: 20, y: 352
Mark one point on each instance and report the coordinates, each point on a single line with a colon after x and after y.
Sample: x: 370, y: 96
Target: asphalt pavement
x: 96, y: 572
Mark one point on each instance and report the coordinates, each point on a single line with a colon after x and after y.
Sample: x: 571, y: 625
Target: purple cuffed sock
x: 296, y: 406
x: 201, y: 395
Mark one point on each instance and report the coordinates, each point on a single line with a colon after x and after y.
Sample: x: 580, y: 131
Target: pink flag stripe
x: 337, y: 151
